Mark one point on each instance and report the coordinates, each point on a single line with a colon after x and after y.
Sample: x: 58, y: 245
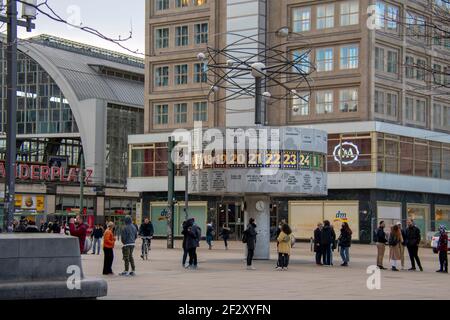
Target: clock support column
x: 262, y: 220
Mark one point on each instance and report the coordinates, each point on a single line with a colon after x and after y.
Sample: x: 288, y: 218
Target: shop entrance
x: 231, y: 214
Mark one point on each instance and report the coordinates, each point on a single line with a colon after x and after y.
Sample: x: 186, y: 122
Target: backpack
x: 245, y: 236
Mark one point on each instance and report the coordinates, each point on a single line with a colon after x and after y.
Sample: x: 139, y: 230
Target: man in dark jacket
x: 78, y: 229
x: 194, y: 234
x: 146, y: 231
x: 327, y: 239
x: 381, y: 241
x: 251, y: 242
x: 186, y: 225
x: 413, y: 238
x: 128, y: 237
x: 442, y: 248
x: 317, y: 247
x: 96, y: 236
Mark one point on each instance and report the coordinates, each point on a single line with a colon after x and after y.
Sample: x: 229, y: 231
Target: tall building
x: 380, y: 87
x: 73, y: 101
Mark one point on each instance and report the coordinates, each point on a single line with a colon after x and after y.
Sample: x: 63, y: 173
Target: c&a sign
x: 346, y: 153
x: 35, y: 172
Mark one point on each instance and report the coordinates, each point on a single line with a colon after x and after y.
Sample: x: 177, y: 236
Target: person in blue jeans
x: 97, y: 235
x: 345, y: 241
x: 209, y: 235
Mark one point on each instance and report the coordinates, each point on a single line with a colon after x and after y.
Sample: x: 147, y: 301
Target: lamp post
x: 28, y: 14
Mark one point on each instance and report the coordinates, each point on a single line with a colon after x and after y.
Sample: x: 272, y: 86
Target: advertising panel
x: 303, y: 218
x: 338, y: 212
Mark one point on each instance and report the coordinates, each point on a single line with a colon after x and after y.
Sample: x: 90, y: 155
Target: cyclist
x: 146, y: 232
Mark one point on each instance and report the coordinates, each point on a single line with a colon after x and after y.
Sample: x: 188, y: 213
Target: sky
x: 113, y: 18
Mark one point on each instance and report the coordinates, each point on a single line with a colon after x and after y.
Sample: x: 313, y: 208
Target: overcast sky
x: 111, y: 17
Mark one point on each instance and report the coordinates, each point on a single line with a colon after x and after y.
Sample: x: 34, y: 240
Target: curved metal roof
x: 81, y: 71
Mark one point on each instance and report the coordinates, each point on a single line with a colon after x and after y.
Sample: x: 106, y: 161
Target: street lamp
x: 28, y: 15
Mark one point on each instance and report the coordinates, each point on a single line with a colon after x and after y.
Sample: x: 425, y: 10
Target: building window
x: 392, y: 61
x: 301, y: 19
x: 420, y: 70
x: 162, y: 76
x: 181, y: 3
x: 180, y: 112
x: 387, y: 17
x: 162, y: 5
x: 415, y: 26
x: 181, y: 36
x: 181, y: 74
x: 324, y: 59
x: 379, y: 102
x: 391, y: 104
x: 300, y: 105
x: 441, y: 116
x: 200, y: 75
x: 325, y: 16
x: 437, y: 74
x: 162, y: 38
x: 161, y: 114
x: 415, y: 110
x: 409, y: 68
x: 302, y: 61
x: 324, y: 102
x: 199, y: 2
x: 201, y: 111
x: 349, y: 13
x: 201, y: 33
x: 348, y: 100
x: 349, y: 57
x: 379, y: 59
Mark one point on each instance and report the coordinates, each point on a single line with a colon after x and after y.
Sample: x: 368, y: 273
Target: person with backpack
x: 225, y: 233
x: 194, y: 234
x: 249, y: 238
x: 317, y: 247
x: 381, y: 241
x: 209, y: 235
x: 413, y: 238
x: 442, y: 247
x: 327, y: 240
x: 285, y: 239
x: 345, y: 241
x: 395, y: 243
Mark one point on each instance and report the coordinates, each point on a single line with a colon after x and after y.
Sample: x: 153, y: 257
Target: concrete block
x: 62, y: 246
x: 9, y: 248
x: 9, y: 268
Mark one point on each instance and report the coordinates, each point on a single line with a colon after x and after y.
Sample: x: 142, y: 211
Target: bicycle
x: 145, y: 247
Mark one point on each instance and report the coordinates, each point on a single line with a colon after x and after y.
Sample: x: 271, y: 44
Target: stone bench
x: 38, y: 266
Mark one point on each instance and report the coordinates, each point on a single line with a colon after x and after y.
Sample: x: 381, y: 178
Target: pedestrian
x: 395, y: 244
x: 146, y: 231
x: 192, y: 243
x: 128, y: 238
x: 43, y: 226
x: 284, y: 240
x: 403, y: 246
x: 345, y: 241
x: 108, y: 249
x: 413, y: 238
x: 333, y: 244
x: 31, y: 227
x: 443, y: 249
x: 381, y: 241
x: 225, y: 233
x: 78, y: 228
x: 317, y: 248
x: 96, y: 236
x: 327, y: 239
x: 209, y: 234
x: 184, y: 232
x: 22, y: 225
x: 249, y: 238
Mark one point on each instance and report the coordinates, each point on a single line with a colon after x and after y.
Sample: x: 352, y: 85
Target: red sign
x: 37, y: 172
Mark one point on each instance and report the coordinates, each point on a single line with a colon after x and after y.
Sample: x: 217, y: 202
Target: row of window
x: 327, y: 58
x: 179, y: 112
x: 161, y: 5
x: 181, y: 35
x: 386, y: 103
x: 325, y: 17
x: 324, y: 102
x: 181, y: 74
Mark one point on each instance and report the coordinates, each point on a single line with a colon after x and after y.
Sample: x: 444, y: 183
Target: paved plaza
x: 222, y: 275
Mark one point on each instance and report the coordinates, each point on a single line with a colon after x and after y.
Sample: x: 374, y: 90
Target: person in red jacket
x: 78, y: 229
x: 443, y: 248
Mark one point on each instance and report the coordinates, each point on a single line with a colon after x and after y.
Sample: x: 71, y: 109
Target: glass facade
x: 41, y: 106
x: 122, y: 121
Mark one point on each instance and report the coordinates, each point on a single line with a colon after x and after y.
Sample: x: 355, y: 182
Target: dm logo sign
x: 346, y: 153
x: 341, y: 217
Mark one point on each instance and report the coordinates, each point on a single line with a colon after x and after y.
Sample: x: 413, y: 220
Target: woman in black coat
x: 317, y: 247
x: 251, y: 242
x: 345, y: 241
